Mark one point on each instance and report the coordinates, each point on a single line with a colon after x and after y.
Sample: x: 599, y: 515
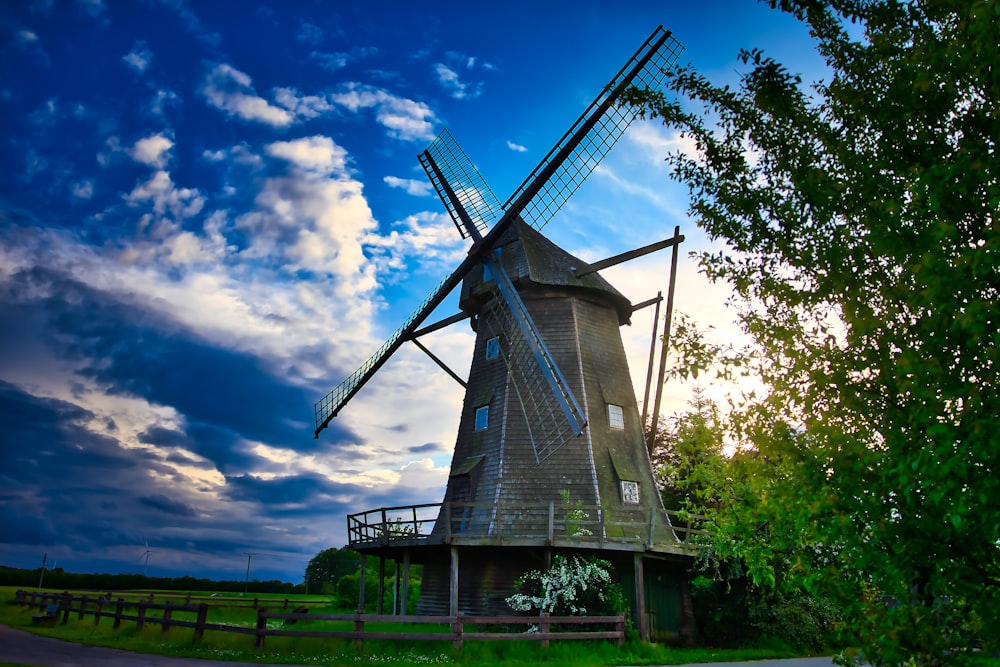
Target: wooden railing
x: 557, y: 524
x: 459, y: 628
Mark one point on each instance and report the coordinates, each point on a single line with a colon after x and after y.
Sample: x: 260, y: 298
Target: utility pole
x: 246, y: 580
x: 45, y: 559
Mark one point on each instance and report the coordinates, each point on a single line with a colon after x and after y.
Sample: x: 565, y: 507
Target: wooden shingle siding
x: 496, y: 468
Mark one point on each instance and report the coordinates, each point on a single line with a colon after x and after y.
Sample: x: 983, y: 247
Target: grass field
x: 327, y: 651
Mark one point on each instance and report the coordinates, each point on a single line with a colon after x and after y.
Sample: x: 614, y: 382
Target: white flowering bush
x: 573, y: 586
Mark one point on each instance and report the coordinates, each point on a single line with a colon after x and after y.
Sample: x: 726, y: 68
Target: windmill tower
x: 550, y: 454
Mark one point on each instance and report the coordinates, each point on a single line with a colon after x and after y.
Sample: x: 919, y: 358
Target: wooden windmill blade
x: 541, y: 387
x: 327, y: 407
x: 455, y: 178
x: 542, y: 193
x: 595, y: 132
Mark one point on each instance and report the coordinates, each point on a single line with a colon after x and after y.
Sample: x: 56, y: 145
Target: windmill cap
x: 529, y: 258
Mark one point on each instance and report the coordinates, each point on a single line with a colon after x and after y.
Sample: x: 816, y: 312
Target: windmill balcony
x: 526, y: 524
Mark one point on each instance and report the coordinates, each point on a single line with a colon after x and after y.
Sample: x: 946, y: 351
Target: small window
x: 493, y: 348
x: 616, y: 417
x: 482, y: 417
x: 630, y: 493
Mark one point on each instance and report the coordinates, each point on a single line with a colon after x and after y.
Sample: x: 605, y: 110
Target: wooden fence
x: 460, y: 628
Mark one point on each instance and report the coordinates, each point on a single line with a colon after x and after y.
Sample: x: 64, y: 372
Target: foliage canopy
x: 858, y: 217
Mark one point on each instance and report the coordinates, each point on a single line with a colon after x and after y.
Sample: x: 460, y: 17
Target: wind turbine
x: 145, y: 567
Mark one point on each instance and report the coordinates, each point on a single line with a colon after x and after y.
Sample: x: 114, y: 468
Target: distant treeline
x: 58, y: 578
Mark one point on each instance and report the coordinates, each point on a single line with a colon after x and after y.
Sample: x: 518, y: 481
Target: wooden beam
x: 440, y: 324
x: 361, y: 586
x: 631, y: 254
x: 666, y: 342
x: 640, y: 599
x: 453, y: 587
x: 649, y: 369
x: 648, y: 302
x: 440, y: 363
x: 381, y: 585
x: 404, y: 598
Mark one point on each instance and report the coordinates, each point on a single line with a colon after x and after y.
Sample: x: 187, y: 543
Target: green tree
x: 859, y: 222
x: 687, y: 456
x: 328, y: 566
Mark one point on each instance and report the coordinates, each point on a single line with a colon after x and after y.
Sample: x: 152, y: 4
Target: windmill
x: 550, y: 423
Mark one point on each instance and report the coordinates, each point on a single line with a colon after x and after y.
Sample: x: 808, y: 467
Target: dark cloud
x: 164, y: 504
x: 427, y: 448
x: 312, y: 490
x: 134, y: 351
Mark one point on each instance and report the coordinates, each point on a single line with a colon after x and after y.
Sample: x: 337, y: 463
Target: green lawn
x: 308, y: 651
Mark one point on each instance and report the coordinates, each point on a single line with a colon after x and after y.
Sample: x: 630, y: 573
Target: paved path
x: 23, y: 647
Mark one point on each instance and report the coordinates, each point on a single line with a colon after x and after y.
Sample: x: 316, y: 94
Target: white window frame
x: 482, y: 418
x: 616, y: 417
x: 630, y: 492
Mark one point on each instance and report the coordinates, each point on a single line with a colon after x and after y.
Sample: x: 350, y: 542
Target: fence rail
x: 461, y: 628
x: 551, y: 523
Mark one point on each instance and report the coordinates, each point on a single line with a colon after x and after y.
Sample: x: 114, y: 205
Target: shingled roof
x: 532, y: 261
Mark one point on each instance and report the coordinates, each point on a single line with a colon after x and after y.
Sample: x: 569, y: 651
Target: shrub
x: 573, y: 586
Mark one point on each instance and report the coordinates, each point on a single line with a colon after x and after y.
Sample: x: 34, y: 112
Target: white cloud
x: 316, y: 154
x: 229, y: 90
x: 448, y: 78
x: 403, y: 118
x: 153, y: 150
x: 418, y: 188
x: 166, y: 199
x: 83, y: 189
x: 314, y: 217
x: 302, y: 106
x: 138, y: 58
x: 657, y: 142
x: 330, y: 61
x: 309, y: 34
x: 161, y: 99
x: 516, y: 147
x: 25, y: 36
x: 428, y: 240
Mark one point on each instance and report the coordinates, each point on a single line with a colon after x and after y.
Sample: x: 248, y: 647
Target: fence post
x: 168, y: 613
x: 118, y: 613
x: 97, y: 613
x: 199, y: 626
x: 261, y: 627
x: 620, y: 629
x: 256, y: 603
x: 543, y: 627
x: 83, y: 607
x: 457, y: 630
x: 66, y: 603
x: 359, y: 628
x: 141, y: 615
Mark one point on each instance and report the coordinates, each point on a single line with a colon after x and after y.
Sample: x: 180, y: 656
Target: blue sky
x: 212, y: 212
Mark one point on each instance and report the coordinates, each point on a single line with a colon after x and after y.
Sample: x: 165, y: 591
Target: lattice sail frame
x: 464, y: 180
x: 574, y: 168
x: 548, y: 427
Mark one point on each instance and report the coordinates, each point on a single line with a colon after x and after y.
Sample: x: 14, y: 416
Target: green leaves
x: 862, y: 243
